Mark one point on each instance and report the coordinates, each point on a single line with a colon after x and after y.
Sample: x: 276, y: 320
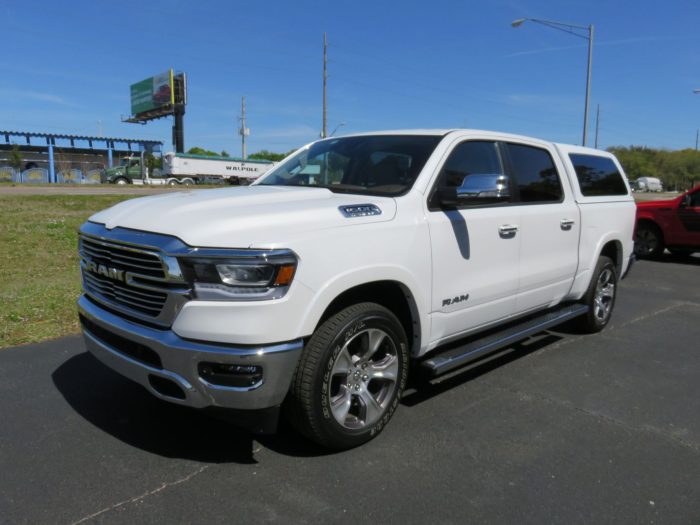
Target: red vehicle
x: 673, y: 224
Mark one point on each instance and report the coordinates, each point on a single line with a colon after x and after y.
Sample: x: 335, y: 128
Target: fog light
x: 221, y: 374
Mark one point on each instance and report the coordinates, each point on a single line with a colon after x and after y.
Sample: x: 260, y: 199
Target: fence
x: 41, y: 176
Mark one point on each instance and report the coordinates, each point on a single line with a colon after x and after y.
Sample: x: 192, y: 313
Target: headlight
x: 245, y: 275
x: 240, y: 279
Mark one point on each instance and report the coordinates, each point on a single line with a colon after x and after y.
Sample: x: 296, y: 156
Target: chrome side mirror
x: 484, y: 186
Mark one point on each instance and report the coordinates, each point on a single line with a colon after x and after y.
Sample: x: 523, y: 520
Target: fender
x: 586, y: 265
x: 358, y: 276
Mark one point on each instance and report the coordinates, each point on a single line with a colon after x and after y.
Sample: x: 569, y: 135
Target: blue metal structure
x: 52, y: 140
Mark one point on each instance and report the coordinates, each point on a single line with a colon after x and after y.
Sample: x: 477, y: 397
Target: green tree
x: 224, y: 153
x: 15, y: 158
x: 264, y: 154
x: 201, y: 151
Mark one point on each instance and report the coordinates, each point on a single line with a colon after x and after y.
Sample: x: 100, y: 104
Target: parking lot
x: 563, y: 429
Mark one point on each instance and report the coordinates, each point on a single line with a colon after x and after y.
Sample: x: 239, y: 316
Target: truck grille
x: 124, y: 276
x: 123, y: 257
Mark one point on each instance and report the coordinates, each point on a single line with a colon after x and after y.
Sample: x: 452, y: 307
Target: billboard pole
x: 179, y: 128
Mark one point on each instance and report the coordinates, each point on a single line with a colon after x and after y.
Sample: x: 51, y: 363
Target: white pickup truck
x: 314, y: 289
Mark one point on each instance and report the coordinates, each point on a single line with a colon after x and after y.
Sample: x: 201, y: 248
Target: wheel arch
x: 393, y: 295
x: 613, y: 250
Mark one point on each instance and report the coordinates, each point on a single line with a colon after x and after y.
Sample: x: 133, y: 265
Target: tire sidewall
x: 597, y: 325
x: 327, y: 424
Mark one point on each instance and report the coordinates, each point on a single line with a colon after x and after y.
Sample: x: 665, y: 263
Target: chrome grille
x: 145, y: 301
x: 123, y: 257
x: 144, y: 288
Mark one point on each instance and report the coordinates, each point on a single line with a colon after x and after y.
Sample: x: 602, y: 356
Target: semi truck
x: 187, y: 169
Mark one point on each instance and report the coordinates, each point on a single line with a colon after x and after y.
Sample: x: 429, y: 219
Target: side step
x: 452, y: 358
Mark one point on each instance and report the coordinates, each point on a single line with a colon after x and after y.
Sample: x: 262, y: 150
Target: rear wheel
x: 649, y: 241
x: 172, y: 182
x: 350, y: 377
x: 600, y: 296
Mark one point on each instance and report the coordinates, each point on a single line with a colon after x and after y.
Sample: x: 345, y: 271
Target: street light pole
x: 575, y: 30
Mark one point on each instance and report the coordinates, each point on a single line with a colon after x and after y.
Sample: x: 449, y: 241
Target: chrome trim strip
x: 172, y: 340
x: 168, y: 245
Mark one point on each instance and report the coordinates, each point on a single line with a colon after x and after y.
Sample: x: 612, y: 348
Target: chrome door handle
x: 508, y: 230
x: 566, y: 224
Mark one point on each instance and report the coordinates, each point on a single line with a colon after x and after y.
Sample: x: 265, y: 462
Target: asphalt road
x: 565, y: 429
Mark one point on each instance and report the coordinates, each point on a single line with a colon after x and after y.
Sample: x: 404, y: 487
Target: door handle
x: 508, y: 230
x: 566, y: 224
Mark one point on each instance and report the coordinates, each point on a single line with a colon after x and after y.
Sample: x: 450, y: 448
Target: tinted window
x: 374, y: 164
x: 537, y: 178
x: 472, y: 169
x: 597, y: 176
x: 695, y: 200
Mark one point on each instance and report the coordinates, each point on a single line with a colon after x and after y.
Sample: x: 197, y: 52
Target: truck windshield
x: 372, y: 165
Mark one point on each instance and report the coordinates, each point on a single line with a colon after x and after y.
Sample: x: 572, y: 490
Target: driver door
x: 689, y: 219
x: 475, y: 245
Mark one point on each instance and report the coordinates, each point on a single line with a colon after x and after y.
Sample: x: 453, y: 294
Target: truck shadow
x: 422, y: 389
x: 691, y: 260
x: 128, y: 412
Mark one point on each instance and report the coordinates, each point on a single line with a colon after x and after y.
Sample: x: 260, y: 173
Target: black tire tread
x: 299, y: 404
x: 587, y: 323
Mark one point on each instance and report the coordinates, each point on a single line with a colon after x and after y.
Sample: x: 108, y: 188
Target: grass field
x: 39, y: 274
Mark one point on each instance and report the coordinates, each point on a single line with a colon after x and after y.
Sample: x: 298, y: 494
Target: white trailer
x: 201, y: 168
x: 649, y: 184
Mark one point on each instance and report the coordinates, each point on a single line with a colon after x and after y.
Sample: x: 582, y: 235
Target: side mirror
x: 446, y: 197
x: 484, y: 186
x: 685, y: 201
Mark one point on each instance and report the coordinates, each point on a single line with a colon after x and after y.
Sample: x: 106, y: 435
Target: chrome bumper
x: 180, y: 358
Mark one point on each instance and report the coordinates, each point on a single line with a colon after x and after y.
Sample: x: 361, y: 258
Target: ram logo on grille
x: 101, y: 269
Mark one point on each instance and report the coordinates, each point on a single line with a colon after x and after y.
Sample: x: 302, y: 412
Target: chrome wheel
x: 604, y: 297
x: 121, y: 182
x: 363, y: 378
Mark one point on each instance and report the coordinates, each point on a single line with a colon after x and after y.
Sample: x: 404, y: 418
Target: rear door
x: 549, y: 224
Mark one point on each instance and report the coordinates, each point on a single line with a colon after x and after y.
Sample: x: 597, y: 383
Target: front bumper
x: 168, y: 366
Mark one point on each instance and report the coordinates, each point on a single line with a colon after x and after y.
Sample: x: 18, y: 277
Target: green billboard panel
x: 152, y: 93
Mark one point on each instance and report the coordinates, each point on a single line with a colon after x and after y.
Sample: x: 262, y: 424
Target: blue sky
x: 67, y: 65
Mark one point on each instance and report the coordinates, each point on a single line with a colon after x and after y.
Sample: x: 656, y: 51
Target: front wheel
x: 600, y: 296
x: 350, y: 377
x: 649, y: 241
x: 121, y: 181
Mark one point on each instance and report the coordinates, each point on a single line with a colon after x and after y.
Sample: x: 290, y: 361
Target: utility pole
x: 324, y: 130
x: 597, y: 122
x: 697, y: 136
x: 244, y: 131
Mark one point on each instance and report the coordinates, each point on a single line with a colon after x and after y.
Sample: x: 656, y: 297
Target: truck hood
x: 242, y: 217
x: 655, y: 204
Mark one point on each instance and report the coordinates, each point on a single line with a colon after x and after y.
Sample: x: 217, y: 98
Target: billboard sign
x: 152, y: 93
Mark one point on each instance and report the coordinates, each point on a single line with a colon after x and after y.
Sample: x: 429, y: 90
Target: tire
x: 648, y: 241
x: 172, y: 182
x: 600, y: 297
x: 343, y: 394
x: 187, y: 182
x: 121, y: 181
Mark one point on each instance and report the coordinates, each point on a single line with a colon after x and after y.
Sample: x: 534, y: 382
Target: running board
x: 452, y: 358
